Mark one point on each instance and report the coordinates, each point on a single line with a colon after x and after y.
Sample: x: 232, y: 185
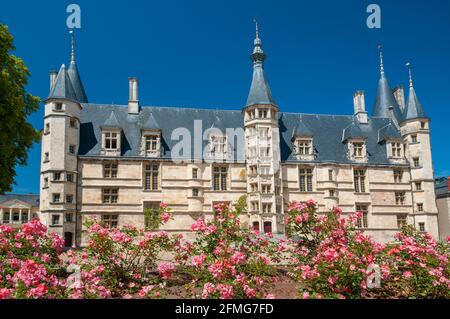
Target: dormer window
x: 217, y: 145
x: 357, y: 150
x: 111, y: 143
x: 303, y: 148
x: 263, y: 113
x: 151, y: 143
x: 396, y: 149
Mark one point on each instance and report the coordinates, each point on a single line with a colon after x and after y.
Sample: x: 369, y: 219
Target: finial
x: 380, y: 47
x: 257, y: 27
x: 73, y: 47
x: 410, y: 74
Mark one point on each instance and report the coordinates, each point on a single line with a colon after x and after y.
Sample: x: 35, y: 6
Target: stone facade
x: 113, y: 162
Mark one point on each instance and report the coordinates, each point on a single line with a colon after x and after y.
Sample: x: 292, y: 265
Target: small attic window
x: 58, y: 106
x: 303, y: 146
x: 396, y: 149
x: 111, y: 140
x: 358, y: 149
x: 217, y: 144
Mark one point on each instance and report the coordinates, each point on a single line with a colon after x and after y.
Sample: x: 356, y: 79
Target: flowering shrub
x: 334, y: 260
x: 122, y: 262
x: 30, y: 266
x: 227, y: 261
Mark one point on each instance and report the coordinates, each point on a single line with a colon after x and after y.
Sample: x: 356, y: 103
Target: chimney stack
x: 133, y: 101
x: 399, y: 94
x: 359, y: 106
x: 53, y: 75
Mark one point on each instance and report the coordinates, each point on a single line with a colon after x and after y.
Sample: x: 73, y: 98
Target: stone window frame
x: 418, y: 186
x: 306, y: 184
x: 56, y: 198
x: 267, y: 208
x: 422, y: 227
x: 402, y: 220
x: 47, y: 128
x: 364, y: 208
x: 110, y: 195
x: 357, y: 154
x: 110, y: 220
x: 396, y: 149
x: 73, y: 123
x: 420, y: 207
x: 151, y: 176
x: 194, y: 173
x: 72, y: 149
x: 110, y: 169
x: 398, y: 176
x: 56, y: 220
x: 360, y: 180
x: 220, y: 173
x: 111, y: 137
x: 217, y: 144
x: 151, y: 143
x: 69, y: 199
x: 153, y: 205
x: 400, y: 198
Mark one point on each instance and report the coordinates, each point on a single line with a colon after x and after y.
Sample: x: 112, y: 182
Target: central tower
x: 262, y: 150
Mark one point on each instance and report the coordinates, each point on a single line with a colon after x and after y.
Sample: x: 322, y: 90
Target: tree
x: 16, y: 134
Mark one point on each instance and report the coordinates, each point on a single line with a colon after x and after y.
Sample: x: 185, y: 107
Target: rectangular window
x: 218, y: 144
x: 267, y: 208
x: 150, y: 208
x: 414, y: 138
x: 16, y: 217
x: 57, y: 176
x: 398, y: 176
x: 304, y: 147
x: 358, y: 149
x: 420, y: 207
x: 418, y: 186
x: 195, y: 192
x: 6, y: 218
x: 416, y: 162
x: 110, y: 220
x: 151, y: 178
x: 56, y: 198
x: 255, y: 206
x: 330, y: 175
x: 46, y: 182
x: 332, y: 193
x: 24, y: 217
x: 69, y: 199
x: 422, y: 227
x: 363, y: 222
x: 110, y: 170
x: 220, y: 175
x: 400, y: 198
x: 58, y: 106
x: 265, y: 189
x: 195, y: 173
x: 401, y: 221
x: 151, y: 143
x: 306, y: 176
x: 360, y: 180
x: 55, y: 220
x: 110, y: 195
x: 69, y: 177
x: 69, y: 217
x: 72, y: 149
x: 111, y: 141
x: 47, y: 128
x: 46, y: 157
x: 263, y: 113
x: 73, y: 123
x: 423, y: 125
x: 396, y: 150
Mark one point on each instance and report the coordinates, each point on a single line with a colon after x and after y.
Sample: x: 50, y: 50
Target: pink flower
x: 208, y: 289
x: 38, y: 292
x: 165, y: 270
x: 163, y: 205
x: 226, y: 291
x: 5, y: 293
x: 198, y: 261
x: 270, y: 296
x: 305, y: 295
x: 199, y: 225
x: 238, y: 258
x: 407, y: 274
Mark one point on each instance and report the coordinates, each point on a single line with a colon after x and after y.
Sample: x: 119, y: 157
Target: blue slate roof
x: 301, y: 130
x: 63, y: 88
x: 327, y: 130
x: 387, y: 132
x: 441, y: 186
x: 353, y: 131
x: 414, y: 109
x: 385, y: 100
x: 33, y: 200
x: 77, y: 84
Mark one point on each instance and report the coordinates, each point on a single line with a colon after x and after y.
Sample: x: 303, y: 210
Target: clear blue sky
x: 196, y: 53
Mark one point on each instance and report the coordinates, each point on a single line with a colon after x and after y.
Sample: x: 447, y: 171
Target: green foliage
x: 16, y: 134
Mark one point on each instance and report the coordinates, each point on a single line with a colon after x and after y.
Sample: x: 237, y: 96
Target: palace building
x: 112, y: 162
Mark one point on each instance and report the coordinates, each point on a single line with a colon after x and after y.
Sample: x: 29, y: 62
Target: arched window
x: 267, y: 227
x: 256, y: 226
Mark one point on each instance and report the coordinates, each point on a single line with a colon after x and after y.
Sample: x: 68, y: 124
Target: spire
x: 260, y: 92
x: 380, y: 47
x: 385, y: 102
x: 72, y: 59
x: 74, y: 74
x: 414, y: 109
x: 62, y: 88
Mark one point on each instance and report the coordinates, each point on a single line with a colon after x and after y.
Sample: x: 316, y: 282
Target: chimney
x: 359, y: 106
x: 53, y: 75
x: 399, y: 94
x: 133, y: 101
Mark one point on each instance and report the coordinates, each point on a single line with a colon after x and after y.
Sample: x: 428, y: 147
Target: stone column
x: 10, y: 216
x: 1, y: 215
x: 20, y: 216
x: 29, y: 214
